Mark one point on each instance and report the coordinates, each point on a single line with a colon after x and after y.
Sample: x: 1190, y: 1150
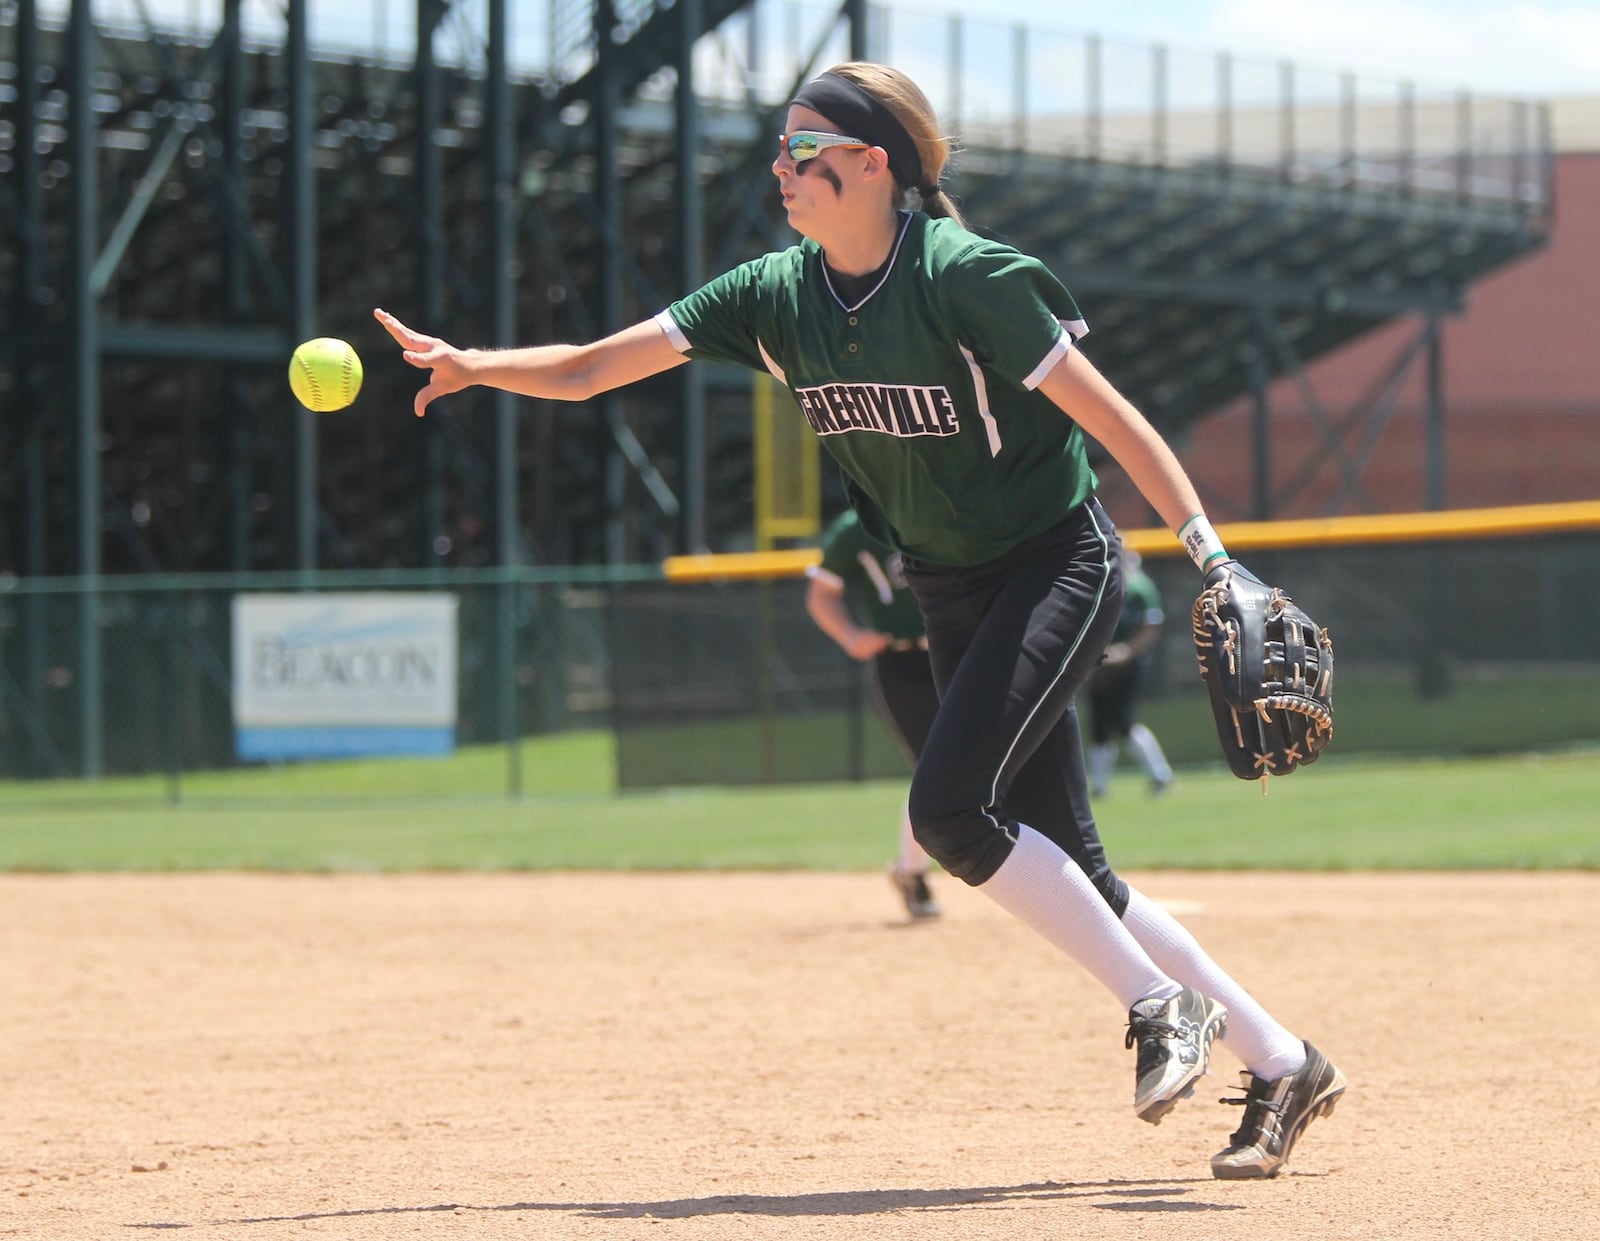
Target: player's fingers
x: 435, y: 388
x: 431, y: 354
x: 392, y: 325
x: 407, y: 337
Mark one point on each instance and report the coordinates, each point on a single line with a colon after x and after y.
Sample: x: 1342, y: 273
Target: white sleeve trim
x: 826, y: 576
x: 669, y: 325
x: 680, y: 342
x: 1071, y: 330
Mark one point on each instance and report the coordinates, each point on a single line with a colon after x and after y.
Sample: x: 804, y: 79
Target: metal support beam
x: 1276, y: 295
x: 195, y: 344
x: 1434, y: 496
x: 236, y: 432
x: 1225, y: 117
x: 1260, y: 428
x: 608, y: 199
x: 1436, y: 676
x: 855, y: 12
x: 502, y: 277
x: 31, y: 651
x: 83, y: 140
x: 955, y: 72
x: 1094, y: 111
x: 691, y: 274
x: 502, y: 333
x: 1019, y: 88
x: 302, y: 259
x: 430, y: 264
x: 1375, y: 409
x: 1286, y: 125
x: 1292, y: 365
x: 30, y: 287
x: 1158, y: 105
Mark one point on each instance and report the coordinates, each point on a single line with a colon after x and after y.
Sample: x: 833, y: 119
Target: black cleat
x: 1275, y: 1115
x: 913, y: 888
x: 1174, y: 1038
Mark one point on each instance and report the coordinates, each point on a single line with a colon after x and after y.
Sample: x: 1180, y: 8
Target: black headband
x: 862, y: 116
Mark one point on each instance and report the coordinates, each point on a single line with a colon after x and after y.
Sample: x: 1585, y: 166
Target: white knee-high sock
x: 1148, y: 749
x: 912, y: 858
x: 1044, y: 888
x: 1266, y: 1048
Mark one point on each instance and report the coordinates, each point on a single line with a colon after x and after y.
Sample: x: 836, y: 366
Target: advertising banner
x: 341, y: 675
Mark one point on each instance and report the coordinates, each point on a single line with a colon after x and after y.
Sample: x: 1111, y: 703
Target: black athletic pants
x: 1011, y: 642
x: 902, y: 683
x: 1114, y: 698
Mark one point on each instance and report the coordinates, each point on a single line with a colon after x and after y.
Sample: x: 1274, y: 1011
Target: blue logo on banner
x: 283, y: 743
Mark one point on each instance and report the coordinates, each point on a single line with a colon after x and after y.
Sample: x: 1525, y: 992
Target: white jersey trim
x: 980, y: 391
x: 777, y: 371
x: 669, y: 325
x: 680, y: 342
x: 874, y: 571
x: 1071, y: 330
x: 826, y: 576
x: 888, y: 267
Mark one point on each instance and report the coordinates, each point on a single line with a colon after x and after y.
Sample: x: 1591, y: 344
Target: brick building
x: 1520, y: 388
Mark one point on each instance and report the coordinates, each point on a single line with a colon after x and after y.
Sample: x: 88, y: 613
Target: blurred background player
x: 1118, y: 684
x: 859, y: 598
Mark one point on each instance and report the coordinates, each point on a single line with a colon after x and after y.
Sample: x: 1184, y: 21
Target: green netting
x: 1448, y: 648
x: 532, y: 658
x: 732, y: 683
x: 1451, y: 648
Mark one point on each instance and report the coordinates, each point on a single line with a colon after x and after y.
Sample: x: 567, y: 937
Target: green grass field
x: 1533, y: 811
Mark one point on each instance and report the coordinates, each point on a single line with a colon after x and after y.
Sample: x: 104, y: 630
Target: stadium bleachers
x: 1196, y: 262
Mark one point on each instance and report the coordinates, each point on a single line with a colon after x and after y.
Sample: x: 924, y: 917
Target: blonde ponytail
x: 904, y: 98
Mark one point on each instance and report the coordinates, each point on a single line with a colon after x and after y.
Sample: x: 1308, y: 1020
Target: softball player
x: 859, y: 598
x: 1118, y: 683
x: 941, y: 371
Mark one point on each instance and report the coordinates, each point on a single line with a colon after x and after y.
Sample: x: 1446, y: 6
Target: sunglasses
x: 806, y: 144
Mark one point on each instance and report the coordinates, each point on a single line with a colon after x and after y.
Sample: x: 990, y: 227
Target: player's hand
x: 429, y: 353
x: 865, y: 643
x: 1117, y: 653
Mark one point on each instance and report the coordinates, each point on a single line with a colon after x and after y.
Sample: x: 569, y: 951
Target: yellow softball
x: 325, y: 374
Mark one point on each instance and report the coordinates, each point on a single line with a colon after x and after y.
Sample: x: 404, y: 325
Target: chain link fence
x: 1459, y: 647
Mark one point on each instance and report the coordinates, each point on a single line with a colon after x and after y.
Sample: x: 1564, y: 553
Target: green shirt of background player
x: 858, y: 596
x: 939, y: 369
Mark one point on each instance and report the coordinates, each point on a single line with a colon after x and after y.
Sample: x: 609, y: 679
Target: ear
x: 877, y: 164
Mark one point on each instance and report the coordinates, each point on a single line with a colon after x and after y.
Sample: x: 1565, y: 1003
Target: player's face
x: 812, y: 189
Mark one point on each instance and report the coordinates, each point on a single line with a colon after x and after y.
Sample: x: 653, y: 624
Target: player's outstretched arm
x: 550, y: 372
x: 1090, y: 400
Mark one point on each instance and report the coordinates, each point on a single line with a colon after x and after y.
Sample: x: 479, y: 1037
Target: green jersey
x: 1141, y: 607
x: 924, y: 390
x: 872, y: 579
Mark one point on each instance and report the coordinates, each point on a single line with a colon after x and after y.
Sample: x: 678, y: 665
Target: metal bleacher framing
x: 1222, y: 222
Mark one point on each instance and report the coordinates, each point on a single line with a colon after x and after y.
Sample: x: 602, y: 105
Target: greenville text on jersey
x: 901, y: 410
